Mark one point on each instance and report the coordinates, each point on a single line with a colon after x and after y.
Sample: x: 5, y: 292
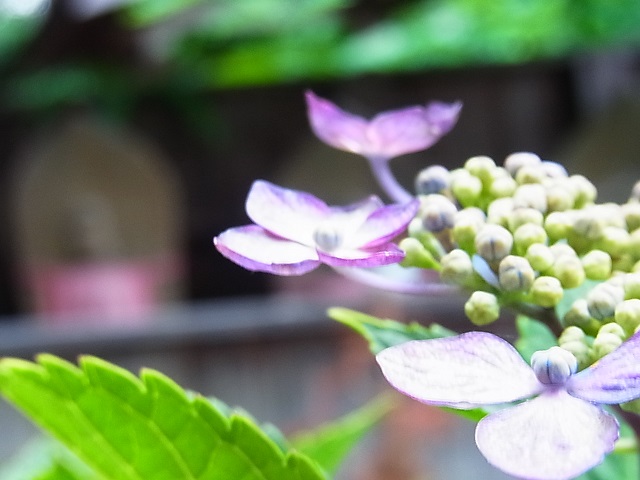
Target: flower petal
x: 365, y: 258
x: 464, y: 371
x: 613, y: 379
x: 554, y: 436
x: 255, y: 249
x: 384, y: 224
x: 336, y: 127
x: 286, y: 213
x: 411, y: 129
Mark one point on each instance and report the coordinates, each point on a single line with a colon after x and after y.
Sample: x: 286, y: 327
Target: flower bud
x: 466, y: 189
x: 614, y: 240
x: 578, y: 315
x: 515, y: 274
x: 631, y: 213
x: 530, y: 174
x: 503, y: 186
x: 554, y: 366
x: 466, y: 224
x: 527, y: 235
x: 559, y: 198
x: 524, y: 216
x: 609, y: 337
x: 546, y: 291
x: 562, y: 249
x: 499, y: 210
x: 437, y: 212
x: 635, y: 192
x: 603, y: 299
x: 517, y: 160
x: 540, y: 257
x: 627, y: 315
x: 586, y: 192
x: 558, y: 225
x: 416, y: 255
x: 493, y: 242
x: 481, y: 167
x: 631, y: 285
x: 433, y: 179
x: 554, y: 169
x: 482, y: 308
x: 597, y: 265
x: 568, y: 269
x: 456, y: 267
x: 530, y: 195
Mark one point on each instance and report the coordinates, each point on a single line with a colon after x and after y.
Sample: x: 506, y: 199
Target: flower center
x: 554, y: 366
x: 327, y: 237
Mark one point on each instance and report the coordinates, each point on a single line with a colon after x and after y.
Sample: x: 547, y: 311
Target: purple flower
x: 295, y: 232
x: 389, y: 134
x: 559, y: 434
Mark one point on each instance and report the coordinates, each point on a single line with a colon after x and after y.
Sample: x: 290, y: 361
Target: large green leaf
x: 147, y: 428
x: 382, y: 333
x: 331, y: 443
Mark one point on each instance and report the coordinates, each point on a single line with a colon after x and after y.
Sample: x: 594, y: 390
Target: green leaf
x: 533, y: 336
x: 147, y: 428
x: 386, y: 333
x: 331, y: 443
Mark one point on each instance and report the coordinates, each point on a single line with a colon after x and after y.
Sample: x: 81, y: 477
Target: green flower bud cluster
x: 523, y: 233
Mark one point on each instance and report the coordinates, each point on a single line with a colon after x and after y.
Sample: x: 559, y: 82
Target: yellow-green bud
x: 530, y: 174
x: 499, y: 210
x: 416, y: 255
x: 524, y: 216
x: 517, y: 160
x: 558, y: 225
x: 433, y: 179
x: 597, y: 265
x: 466, y: 189
x: 530, y: 195
x: 554, y: 169
x: 631, y: 285
x: 614, y: 240
x: 546, y: 291
x: 515, y: 274
x: 493, y: 242
x: 627, y: 315
x: 456, y: 267
x: 466, y: 224
x: 586, y: 192
x: 481, y: 167
x: 568, y: 269
x: 631, y: 213
x: 527, y: 235
x: 540, y: 257
x: 571, y: 334
x: 559, y: 198
x: 634, y: 243
x: 482, y: 308
x: 562, y: 249
x: 635, y: 192
x: 609, y: 337
x: 578, y: 316
x: 437, y: 212
x: 502, y: 187
x: 603, y: 299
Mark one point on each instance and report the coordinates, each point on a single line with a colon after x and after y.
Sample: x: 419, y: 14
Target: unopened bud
x: 603, y: 299
x: 530, y: 195
x: 540, y: 257
x: 515, y: 274
x: 586, y: 192
x: 614, y: 240
x: 527, y: 235
x: 499, y: 210
x: 524, y: 216
x: 530, y: 174
x: 546, y: 291
x: 558, y: 225
x: 578, y: 315
x: 433, y: 179
x: 554, y: 169
x: 437, y: 212
x: 631, y: 285
x: 481, y: 166
x: 574, y: 340
x: 502, y: 187
x: 466, y: 189
x: 609, y: 337
x: 554, y: 366
x: 456, y: 267
x: 416, y: 255
x: 568, y: 269
x: 559, y: 198
x: 482, y: 308
x: 466, y: 224
x: 597, y: 265
x: 493, y: 243
x: 631, y: 213
x: 627, y: 315
x: 517, y: 160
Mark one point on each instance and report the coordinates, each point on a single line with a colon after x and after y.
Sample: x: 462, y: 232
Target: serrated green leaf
x: 383, y: 333
x: 331, y: 443
x: 147, y: 428
x: 533, y: 335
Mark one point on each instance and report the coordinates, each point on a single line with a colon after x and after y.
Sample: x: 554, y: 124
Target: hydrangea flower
x: 294, y: 232
x: 387, y: 135
x: 559, y: 434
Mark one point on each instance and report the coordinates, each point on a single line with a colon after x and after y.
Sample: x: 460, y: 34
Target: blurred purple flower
x: 295, y: 232
x: 389, y: 134
x: 557, y: 435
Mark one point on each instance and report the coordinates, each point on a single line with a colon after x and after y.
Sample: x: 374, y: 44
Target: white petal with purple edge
x: 255, y: 249
x: 615, y: 378
x: 552, y: 437
x: 384, y: 224
x: 287, y: 213
x: 464, y: 371
x: 384, y: 255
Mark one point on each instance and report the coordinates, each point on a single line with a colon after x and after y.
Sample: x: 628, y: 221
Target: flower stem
x: 388, y: 182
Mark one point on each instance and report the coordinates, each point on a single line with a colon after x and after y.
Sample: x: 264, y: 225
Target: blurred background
x: 131, y: 131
